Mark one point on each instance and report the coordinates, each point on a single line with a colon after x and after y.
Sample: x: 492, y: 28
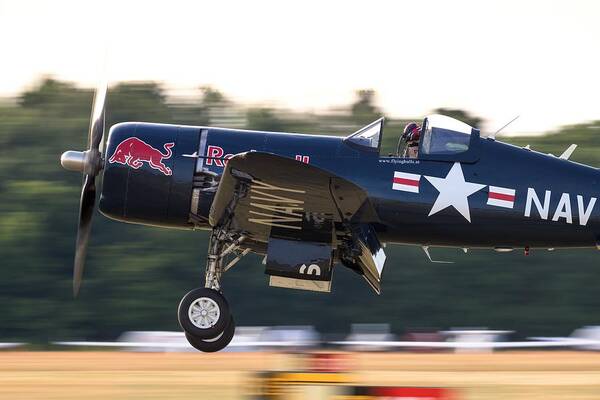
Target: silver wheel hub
x: 204, y: 312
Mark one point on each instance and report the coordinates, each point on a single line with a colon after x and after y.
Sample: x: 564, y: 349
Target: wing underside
x: 302, y: 217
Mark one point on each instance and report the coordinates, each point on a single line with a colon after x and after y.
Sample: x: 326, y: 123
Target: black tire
x: 215, y: 344
x: 212, y: 329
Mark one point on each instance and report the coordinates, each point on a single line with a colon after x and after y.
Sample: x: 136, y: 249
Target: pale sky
x: 498, y: 59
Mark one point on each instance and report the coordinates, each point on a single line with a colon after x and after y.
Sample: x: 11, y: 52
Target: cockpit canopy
x: 442, y: 139
x: 444, y: 135
x: 368, y: 137
x: 447, y: 139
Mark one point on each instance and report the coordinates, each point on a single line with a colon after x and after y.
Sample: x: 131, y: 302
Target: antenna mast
x: 493, y: 135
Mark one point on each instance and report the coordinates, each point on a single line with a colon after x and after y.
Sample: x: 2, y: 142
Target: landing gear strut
x: 203, y: 313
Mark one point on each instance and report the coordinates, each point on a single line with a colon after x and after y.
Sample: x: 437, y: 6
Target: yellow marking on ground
x: 305, y: 377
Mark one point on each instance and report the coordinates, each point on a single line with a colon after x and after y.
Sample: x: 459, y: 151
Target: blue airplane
x: 309, y: 202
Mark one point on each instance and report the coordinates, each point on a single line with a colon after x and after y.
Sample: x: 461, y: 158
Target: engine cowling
x: 147, y: 177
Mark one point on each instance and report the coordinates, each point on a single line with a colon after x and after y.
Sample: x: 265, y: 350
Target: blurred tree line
x: 136, y: 275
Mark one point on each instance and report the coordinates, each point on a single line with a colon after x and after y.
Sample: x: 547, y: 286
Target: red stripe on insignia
x: 404, y: 181
x: 500, y: 196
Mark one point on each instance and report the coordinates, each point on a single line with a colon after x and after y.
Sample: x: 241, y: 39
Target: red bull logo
x: 135, y: 152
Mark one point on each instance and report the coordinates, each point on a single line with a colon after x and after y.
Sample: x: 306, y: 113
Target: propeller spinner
x: 89, y: 163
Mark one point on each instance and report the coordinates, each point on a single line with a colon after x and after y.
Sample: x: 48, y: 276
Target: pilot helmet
x: 412, y: 132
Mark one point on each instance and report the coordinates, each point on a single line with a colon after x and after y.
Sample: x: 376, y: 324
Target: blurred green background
x: 136, y: 275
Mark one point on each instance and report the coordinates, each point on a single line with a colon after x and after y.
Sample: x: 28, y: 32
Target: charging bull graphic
x: 134, y: 152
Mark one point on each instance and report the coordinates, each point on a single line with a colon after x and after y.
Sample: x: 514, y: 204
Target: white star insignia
x: 454, y: 191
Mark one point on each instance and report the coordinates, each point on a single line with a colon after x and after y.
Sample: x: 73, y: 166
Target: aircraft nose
x: 72, y: 160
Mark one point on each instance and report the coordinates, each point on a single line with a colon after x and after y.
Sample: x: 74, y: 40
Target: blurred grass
x: 114, y: 375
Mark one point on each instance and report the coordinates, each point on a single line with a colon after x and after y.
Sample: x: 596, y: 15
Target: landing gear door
x: 298, y: 264
x: 368, y: 255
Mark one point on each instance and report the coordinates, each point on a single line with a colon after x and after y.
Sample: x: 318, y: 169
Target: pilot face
x: 413, y: 150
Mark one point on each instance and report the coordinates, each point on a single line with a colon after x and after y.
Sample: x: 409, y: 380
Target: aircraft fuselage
x: 523, y: 198
x: 505, y: 197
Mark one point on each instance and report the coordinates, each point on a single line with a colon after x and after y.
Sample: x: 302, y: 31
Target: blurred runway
x: 122, y: 375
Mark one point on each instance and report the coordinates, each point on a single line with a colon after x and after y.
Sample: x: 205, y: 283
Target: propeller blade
x: 90, y: 163
x: 86, y: 211
x: 96, y: 132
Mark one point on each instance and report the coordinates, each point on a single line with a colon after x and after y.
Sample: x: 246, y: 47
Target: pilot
x: 411, y: 135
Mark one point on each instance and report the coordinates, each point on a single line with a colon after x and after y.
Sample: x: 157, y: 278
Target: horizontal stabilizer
x: 568, y: 152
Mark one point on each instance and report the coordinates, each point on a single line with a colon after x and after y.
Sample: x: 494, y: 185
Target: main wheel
x: 215, y: 344
x: 203, y: 313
